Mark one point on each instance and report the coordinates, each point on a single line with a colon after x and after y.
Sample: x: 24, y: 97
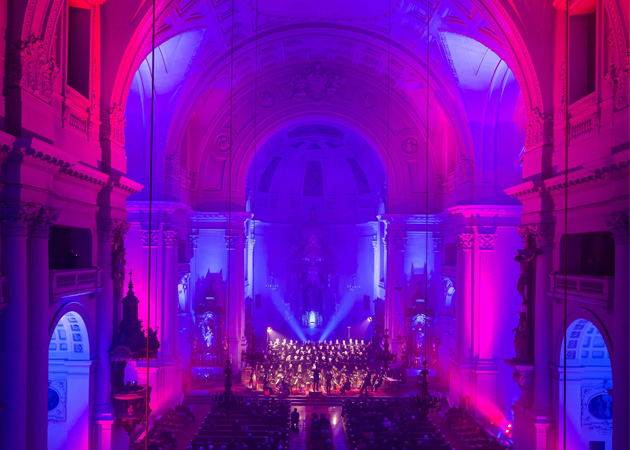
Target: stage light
x: 268, y: 329
x: 509, y: 425
x: 370, y: 319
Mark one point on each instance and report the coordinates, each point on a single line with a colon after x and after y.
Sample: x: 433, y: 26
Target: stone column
x: 170, y: 297
x: 542, y: 235
x: 618, y: 225
x: 38, y: 326
x: 377, y: 263
x: 438, y: 260
x: 111, y: 238
x: 14, y: 324
x: 235, y: 243
x: 461, y: 381
x: 394, y: 290
x: 485, y: 368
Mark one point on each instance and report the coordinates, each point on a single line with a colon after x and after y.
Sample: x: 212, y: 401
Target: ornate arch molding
x: 581, y: 313
x: 618, y: 75
x: 372, y: 131
x: 79, y: 309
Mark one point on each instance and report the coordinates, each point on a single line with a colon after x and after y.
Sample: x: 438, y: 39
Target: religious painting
x: 597, y: 408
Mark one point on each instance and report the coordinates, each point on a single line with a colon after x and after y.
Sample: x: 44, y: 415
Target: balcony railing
x: 587, y: 286
x: 67, y: 283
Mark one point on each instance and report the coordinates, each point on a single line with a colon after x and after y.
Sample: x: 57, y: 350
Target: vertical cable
x: 386, y: 248
x: 146, y: 437
x: 426, y: 236
x: 566, y: 221
x: 252, y: 203
x: 229, y: 188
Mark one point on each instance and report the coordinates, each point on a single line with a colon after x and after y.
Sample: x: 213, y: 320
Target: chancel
x: 300, y: 224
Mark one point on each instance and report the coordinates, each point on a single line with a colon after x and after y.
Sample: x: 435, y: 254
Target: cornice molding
x: 596, y: 171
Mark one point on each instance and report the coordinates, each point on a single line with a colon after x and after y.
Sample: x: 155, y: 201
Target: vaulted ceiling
x: 230, y: 78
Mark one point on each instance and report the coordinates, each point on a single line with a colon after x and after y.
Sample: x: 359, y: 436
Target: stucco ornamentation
x: 539, y: 129
x: 223, y: 142
x: 618, y: 225
x: 42, y: 221
x: 464, y: 240
x: 16, y: 217
x: 30, y: 67
x: 171, y: 238
x: 316, y: 84
x: 410, y: 145
x: 487, y: 241
x: 113, y: 124
x: 465, y: 169
x: 266, y: 99
x: 153, y: 240
x: 368, y: 100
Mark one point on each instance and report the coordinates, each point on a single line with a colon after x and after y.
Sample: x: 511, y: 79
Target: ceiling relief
x: 316, y: 83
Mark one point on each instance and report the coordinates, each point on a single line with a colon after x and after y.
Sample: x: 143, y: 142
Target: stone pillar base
x: 107, y: 434
x: 461, y: 384
x: 531, y: 432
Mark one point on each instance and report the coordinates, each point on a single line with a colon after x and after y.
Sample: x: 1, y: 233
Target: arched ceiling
x: 229, y: 74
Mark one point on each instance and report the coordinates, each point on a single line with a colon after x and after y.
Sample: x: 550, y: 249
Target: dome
x: 314, y: 174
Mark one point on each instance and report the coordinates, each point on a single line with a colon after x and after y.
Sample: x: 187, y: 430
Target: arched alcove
x: 589, y: 386
x: 69, y: 367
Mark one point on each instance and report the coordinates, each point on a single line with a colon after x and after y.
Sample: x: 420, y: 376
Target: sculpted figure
x: 523, y: 279
x: 521, y: 338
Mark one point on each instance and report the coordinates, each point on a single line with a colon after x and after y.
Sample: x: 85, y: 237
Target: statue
x: 251, y: 341
x: 521, y: 338
x: 386, y: 341
x: 523, y: 279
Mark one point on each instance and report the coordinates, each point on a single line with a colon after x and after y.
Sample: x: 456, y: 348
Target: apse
x: 315, y: 189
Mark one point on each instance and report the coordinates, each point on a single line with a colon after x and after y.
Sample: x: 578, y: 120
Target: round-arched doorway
x: 589, y: 401
x: 69, y: 368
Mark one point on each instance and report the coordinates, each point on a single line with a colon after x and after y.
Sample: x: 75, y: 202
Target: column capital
x: 149, y: 239
x: 617, y: 223
x: 17, y: 216
x: 193, y: 239
x: 232, y: 241
x: 464, y: 240
x: 396, y: 242
x: 536, y: 235
x: 42, y: 221
x: 171, y: 238
x: 487, y: 241
x: 438, y: 243
x: 110, y: 230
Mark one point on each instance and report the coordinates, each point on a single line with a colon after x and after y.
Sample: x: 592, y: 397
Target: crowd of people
x: 294, y: 367
x: 390, y: 424
x: 248, y: 425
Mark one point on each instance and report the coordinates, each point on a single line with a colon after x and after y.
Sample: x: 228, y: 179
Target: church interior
x: 314, y: 225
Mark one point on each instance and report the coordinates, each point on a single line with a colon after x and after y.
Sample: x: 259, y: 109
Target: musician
x: 329, y: 378
x: 346, y: 387
x: 316, y: 373
x: 366, y: 383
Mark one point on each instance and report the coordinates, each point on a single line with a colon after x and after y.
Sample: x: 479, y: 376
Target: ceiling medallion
x: 410, y: 145
x: 266, y: 99
x: 223, y: 142
x: 368, y: 100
